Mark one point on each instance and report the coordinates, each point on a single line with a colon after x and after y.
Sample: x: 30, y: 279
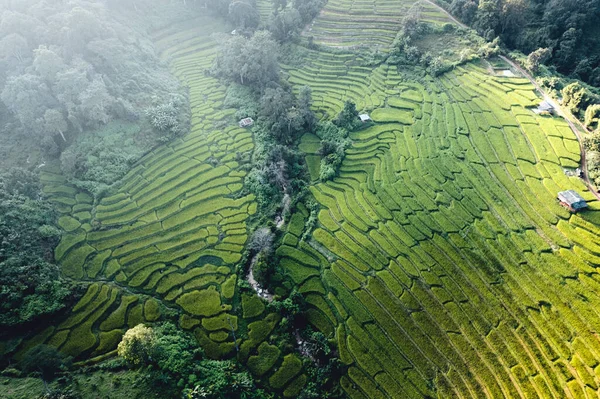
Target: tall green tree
x: 251, y: 62
x: 31, y: 283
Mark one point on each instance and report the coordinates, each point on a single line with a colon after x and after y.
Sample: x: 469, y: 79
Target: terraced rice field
x: 349, y: 23
x: 171, y: 235
x: 442, y: 262
x: 335, y: 78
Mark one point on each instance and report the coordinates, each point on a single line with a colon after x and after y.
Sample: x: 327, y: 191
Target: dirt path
x: 561, y: 113
x: 550, y: 100
x: 447, y: 13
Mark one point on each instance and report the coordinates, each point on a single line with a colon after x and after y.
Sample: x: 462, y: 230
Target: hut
x: 364, y: 118
x: 246, y: 122
x: 545, y: 108
x: 571, y: 200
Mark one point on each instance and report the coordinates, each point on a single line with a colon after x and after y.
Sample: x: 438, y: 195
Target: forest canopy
x: 67, y: 68
x: 30, y: 281
x: 567, y: 27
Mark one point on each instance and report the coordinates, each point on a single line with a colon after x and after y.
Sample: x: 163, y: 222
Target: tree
x: 96, y: 103
x: 567, y: 48
x: 244, y: 14
x: 251, y: 62
x: 285, y: 25
x: 262, y: 241
x: 172, y: 350
x: 575, y: 97
x: 223, y: 379
x: 274, y: 106
x: 513, y: 17
x: 304, y: 107
x: 308, y: 9
x: 55, y: 122
x: 538, y: 57
x: 31, y: 283
x: 437, y: 66
x: 592, y: 116
x: 21, y: 24
x: 14, y: 51
x: 487, y: 17
x: 47, y: 63
x: 44, y: 359
x: 348, y: 117
x: 137, y: 344
x: 28, y: 97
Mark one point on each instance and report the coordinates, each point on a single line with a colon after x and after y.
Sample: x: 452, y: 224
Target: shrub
x: 137, y: 344
x: 44, y: 359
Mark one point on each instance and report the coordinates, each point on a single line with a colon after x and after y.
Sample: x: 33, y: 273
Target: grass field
x: 442, y: 264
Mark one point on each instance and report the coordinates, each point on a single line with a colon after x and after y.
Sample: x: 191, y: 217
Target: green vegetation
x: 562, y: 32
x: 311, y: 255
x: 53, y: 89
x: 30, y: 280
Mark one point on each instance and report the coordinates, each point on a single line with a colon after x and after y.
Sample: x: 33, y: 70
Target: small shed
x: 544, y: 108
x: 364, y: 118
x: 571, y: 200
x: 246, y: 122
x: 506, y: 73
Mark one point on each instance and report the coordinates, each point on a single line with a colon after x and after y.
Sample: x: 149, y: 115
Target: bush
x: 137, y: 345
x: 46, y: 360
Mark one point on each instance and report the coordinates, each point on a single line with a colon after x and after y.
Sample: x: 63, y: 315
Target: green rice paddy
x: 350, y: 23
x: 442, y: 264
x: 171, y: 235
x: 448, y: 267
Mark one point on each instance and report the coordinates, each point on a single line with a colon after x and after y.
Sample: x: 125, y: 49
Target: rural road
x: 547, y: 98
x: 562, y: 114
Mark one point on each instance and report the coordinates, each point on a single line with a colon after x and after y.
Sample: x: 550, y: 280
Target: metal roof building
x: 572, y: 200
x: 246, y: 122
x: 544, y: 108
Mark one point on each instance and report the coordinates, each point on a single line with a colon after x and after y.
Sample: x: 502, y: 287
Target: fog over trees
x: 70, y: 67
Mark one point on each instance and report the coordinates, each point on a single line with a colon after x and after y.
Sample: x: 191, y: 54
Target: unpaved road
x: 551, y: 101
x: 561, y: 113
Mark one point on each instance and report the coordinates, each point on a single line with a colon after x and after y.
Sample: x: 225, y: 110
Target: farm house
x: 572, y: 200
x: 246, y: 122
x: 544, y: 108
x: 364, y: 118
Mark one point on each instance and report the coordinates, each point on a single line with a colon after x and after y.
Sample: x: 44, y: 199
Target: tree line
x: 566, y: 28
